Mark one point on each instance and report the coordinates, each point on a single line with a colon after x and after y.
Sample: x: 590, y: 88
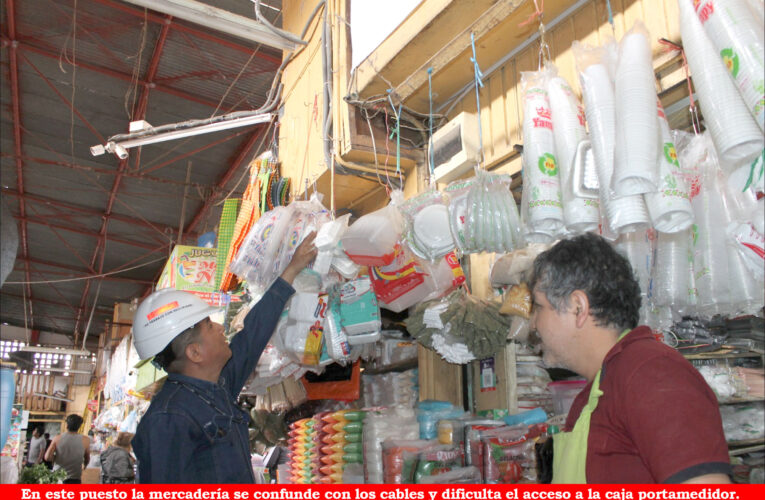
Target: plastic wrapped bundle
x: 636, y: 143
x: 580, y: 214
x: 542, y: 202
x: 734, y: 131
x: 400, y: 459
x: 710, y: 257
x: 396, y: 423
x: 672, y: 270
x: 738, y: 37
x: 669, y: 207
x: 272, y: 240
x: 492, y: 223
x: 628, y: 213
x: 373, y: 239
x: 302, y: 451
x: 638, y: 248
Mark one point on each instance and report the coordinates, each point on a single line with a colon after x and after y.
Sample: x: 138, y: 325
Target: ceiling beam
x: 112, y: 73
x: 104, y: 309
x: 89, y: 211
x: 86, y: 232
x: 192, y: 31
x: 64, y: 99
x: 140, y: 114
x: 109, y: 171
x: 16, y: 111
x: 242, y: 156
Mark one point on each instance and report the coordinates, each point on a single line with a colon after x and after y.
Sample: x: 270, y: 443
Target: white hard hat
x: 163, y: 316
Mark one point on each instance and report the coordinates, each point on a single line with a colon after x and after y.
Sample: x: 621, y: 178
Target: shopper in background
x: 36, y: 448
x: 646, y: 414
x: 117, y: 462
x: 70, y: 451
x: 48, y: 463
x: 193, y: 431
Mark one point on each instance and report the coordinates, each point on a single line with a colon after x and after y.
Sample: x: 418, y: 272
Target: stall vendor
x: 194, y: 432
x: 646, y: 415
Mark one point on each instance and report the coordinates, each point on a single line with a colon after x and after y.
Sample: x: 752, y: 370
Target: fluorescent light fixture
x: 217, y: 19
x: 56, y: 350
x: 120, y: 147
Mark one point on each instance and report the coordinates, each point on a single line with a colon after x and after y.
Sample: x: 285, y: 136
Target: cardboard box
x: 191, y: 269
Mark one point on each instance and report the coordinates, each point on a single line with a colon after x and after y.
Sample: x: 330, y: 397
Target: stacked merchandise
x: 340, y: 438
x: 508, y: 454
x: 303, y: 451
x: 399, y: 459
x: 393, y: 423
x: 532, y: 381
x: 430, y: 412
x: 687, y: 216
x: 393, y: 389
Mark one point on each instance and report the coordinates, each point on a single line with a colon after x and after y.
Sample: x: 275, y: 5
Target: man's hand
x: 304, y: 254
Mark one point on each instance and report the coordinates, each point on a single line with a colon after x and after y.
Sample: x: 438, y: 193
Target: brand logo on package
x: 730, y: 58
x: 167, y: 307
x: 548, y: 165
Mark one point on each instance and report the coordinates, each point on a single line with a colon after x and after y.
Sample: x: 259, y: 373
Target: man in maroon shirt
x: 656, y: 420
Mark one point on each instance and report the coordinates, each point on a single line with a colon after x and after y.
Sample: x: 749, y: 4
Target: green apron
x: 570, y: 448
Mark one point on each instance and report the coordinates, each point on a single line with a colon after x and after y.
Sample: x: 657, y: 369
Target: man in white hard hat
x: 194, y: 432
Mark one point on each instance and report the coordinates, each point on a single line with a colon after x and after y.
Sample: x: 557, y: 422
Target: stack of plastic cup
x: 738, y: 37
x: 736, y: 135
x: 710, y: 253
x: 746, y: 294
x: 628, y: 213
x: 580, y: 214
x: 635, y: 168
x: 542, y: 200
x: 669, y: 285
x: 669, y: 207
x: 638, y: 248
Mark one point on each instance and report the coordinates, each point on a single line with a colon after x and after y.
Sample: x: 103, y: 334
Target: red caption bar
x: 380, y: 492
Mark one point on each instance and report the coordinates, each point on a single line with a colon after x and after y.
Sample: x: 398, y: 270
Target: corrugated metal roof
x: 65, y: 109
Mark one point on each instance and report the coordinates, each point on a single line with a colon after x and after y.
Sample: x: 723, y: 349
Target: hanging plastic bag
x: 426, y: 218
x: 734, y: 130
x: 579, y: 214
x: 637, y: 130
x: 628, y: 213
x: 373, y: 239
x: 542, y: 201
x: 669, y: 207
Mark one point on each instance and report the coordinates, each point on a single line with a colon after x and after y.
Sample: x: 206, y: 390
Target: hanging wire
x: 431, y: 160
x: 611, y: 17
x: 477, y: 75
x: 670, y: 46
x: 396, y: 131
x: 81, y: 278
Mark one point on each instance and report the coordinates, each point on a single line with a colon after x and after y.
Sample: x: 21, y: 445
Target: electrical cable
x: 281, y: 33
x: 102, y: 275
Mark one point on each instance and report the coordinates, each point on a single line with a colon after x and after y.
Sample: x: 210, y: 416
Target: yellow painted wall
x: 300, y: 133
x: 501, y: 105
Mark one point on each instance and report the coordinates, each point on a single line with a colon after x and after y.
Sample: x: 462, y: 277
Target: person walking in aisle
x: 117, y: 462
x: 70, y: 451
x: 193, y: 431
x: 36, y: 448
x: 646, y: 414
x: 47, y: 462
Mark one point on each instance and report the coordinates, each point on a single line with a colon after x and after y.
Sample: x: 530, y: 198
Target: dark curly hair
x: 589, y: 263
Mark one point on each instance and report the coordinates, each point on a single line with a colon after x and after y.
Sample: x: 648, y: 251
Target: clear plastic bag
x: 372, y: 240
x: 636, y: 137
x: 427, y: 232
x: 542, y: 199
x: 579, y: 214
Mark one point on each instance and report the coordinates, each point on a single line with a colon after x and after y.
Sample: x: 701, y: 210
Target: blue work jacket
x: 193, y: 431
